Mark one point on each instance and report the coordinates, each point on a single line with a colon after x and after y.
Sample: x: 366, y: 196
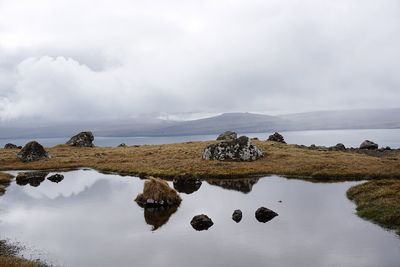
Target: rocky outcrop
x: 187, y: 186
x: 241, y: 185
x: 56, y: 178
x: 156, y: 193
x: 239, y: 149
x: 31, y: 178
x: 227, y: 136
x: 32, y: 151
x: 83, y: 139
x: 237, y: 216
x: 368, y: 145
x: 276, y: 137
x: 12, y: 146
x: 264, y: 215
x: 201, y: 222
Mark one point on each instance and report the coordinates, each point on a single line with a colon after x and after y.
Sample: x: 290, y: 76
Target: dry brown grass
x: 17, y: 262
x: 378, y: 201
x: 184, y: 160
x: 158, y: 190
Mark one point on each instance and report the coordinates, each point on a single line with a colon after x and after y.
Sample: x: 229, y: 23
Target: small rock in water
x: 237, y: 216
x: 201, y: 222
x: 56, y: 178
x: 264, y: 215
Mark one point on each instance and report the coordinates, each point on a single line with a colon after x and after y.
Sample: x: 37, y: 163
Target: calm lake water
x: 384, y: 137
x: 91, y: 219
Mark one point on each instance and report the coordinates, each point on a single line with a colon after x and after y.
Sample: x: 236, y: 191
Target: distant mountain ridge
x: 239, y: 122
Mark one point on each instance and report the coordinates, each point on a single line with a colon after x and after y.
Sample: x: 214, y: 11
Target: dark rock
x: 264, y: 215
x: 32, y: 151
x: 187, y: 186
x: 368, y: 145
x: 227, y: 136
x: 237, y: 216
x: 158, y: 216
x: 239, y: 149
x: 156, y: 193
x: 241, y: 185
x: 339, y: 147
x: 11, y: 146
x: 56, y: 178
x: 122, y: 145
x: 83, y: 139
x: 201, y: 222
x: 276, y: 137
x: 31, y: 178
x: 254, y: 139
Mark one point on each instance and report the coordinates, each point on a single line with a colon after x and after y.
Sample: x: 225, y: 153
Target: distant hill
x: 239, y: 122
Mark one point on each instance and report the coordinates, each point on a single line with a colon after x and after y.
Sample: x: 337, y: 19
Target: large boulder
x: 227, y: 136
x: 156, y: 193
x: 276, y: 137
x: 11, y: 146
x: 239, y: 149
x: 32, y: 151
x: 31, y: 178
x: 83, y: 139
x: 264, y: 215
x: 368, y: 145
x: 201, y: 222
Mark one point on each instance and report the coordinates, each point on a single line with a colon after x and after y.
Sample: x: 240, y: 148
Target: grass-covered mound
x: 157, y: 192
x: 378, y: 201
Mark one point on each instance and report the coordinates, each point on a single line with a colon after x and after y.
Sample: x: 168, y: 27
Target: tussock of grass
x: 378, y: 201
x: 185, y: 160
x: 159, y: 191
x: 17, y: 262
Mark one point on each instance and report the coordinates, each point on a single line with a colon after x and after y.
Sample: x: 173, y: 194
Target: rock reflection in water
x: 32, y: 178
x: 242, y: 185
x: 187, y: 186
x: 158, y: 216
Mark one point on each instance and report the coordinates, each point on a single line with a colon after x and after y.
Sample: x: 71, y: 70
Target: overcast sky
x: 77, y: 59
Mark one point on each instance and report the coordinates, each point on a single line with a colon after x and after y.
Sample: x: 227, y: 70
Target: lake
x: 91, y: 219
x: 384, y: 137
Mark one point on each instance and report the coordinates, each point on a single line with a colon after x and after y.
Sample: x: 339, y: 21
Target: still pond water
x: 91, y: 219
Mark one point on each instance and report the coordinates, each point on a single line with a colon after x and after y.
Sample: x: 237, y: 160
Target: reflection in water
x: 241, y: 185
x: 56, y: 178
x: 187, y: 186
x: 32, y: 178
x: 158, y: 216
x: 90, y: 220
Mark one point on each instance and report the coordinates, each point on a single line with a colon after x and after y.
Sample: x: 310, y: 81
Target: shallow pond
x: 91, y: 219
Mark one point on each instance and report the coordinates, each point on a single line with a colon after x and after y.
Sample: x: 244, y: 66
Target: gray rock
x: 368, y: 145
x: 201, y: 222
x: 239, y: 149
x: 264, y: 215
x: 227, y: 136
x: 32, y: 151
x: 83, y: 139
x: 339, y: 147
x: 276, y: 137
x: 237, y: 216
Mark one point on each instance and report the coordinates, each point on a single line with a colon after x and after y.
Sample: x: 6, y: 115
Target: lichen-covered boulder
x: 11, y: 146
x: 227, y: 136
x: 157, y: 192
x: 32, y: 151
x: 83, y: 139
x: 201, y: 222
x: 239, y: 149
x: 368, y: 145
x: 276, y: 137
x: 264, y: 215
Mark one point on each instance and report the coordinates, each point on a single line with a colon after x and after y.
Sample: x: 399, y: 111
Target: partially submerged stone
x: 56, y: 178
x: 264, y: 215
x: 83, y: 139
x: 276, y: 137
x: 227, y: 136
x: 239, y: 149
x: 157, y: 192
x: 368, y: 145
x: 201, y: 222
x: 32, y: 151
x: 237, y: 216
x: 31, y: 178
